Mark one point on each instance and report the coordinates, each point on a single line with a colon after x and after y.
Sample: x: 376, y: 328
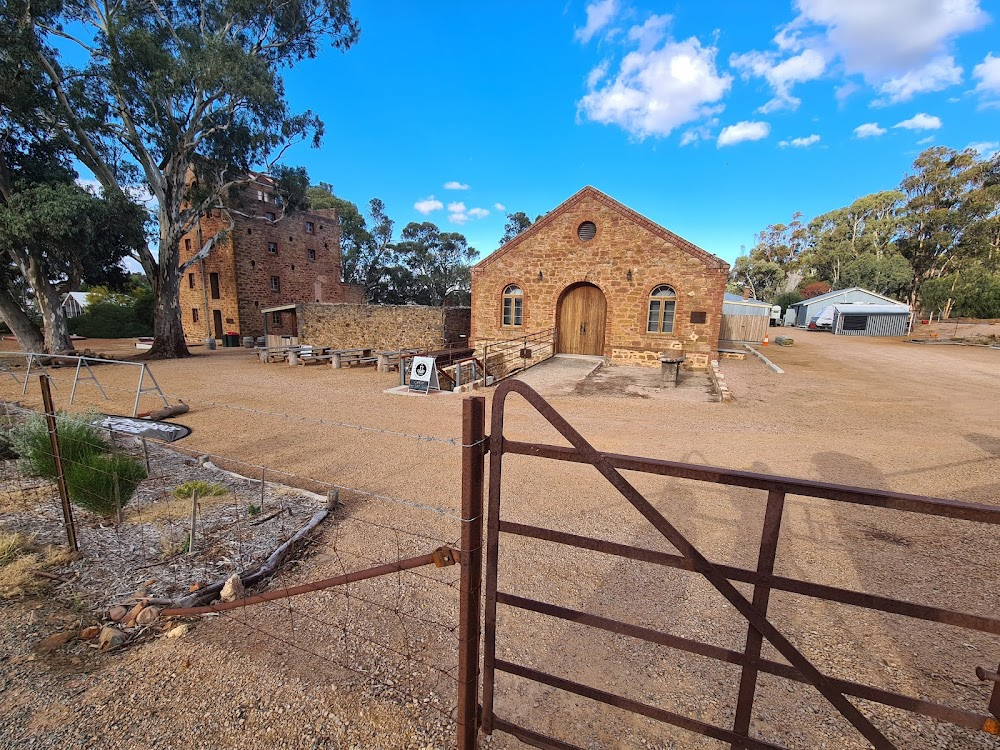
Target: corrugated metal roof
x: 840, y: 292
x: 863, y: 309
x: 728, y: 297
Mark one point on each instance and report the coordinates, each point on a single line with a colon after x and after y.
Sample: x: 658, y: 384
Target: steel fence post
x: 50, y: 419
x: 470, y: 584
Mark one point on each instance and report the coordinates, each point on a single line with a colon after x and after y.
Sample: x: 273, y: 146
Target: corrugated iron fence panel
x: 749, y: 328
x: 878, y: 324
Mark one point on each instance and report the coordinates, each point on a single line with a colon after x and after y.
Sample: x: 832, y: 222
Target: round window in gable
x: 586, y: 231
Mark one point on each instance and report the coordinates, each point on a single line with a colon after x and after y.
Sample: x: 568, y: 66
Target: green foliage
x: 887, y: 274
x: 106, y: 320
x: 786, y: 300
x: 253, y: 510
x: 516, y: 223
x: 204, y: 489
x: 438, y: 261
x: 79, y: 440
x: 974, y: 293
x: 104, y: 483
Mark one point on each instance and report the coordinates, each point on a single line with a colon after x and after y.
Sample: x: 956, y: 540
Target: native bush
x: 79, y: 439
x: 104, y: 482
x: 204, y: 489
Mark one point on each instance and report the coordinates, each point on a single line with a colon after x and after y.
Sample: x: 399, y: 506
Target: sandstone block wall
x: 624, y: 242
x: 381, y: 327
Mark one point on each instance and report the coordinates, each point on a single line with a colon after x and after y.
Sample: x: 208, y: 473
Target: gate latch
x: 443, y: 557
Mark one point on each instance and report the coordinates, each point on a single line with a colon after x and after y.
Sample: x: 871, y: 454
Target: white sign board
x: 424, y: 375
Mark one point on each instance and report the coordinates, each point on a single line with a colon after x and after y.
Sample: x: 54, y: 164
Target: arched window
x: 661, y: 310
x: 513, y: 305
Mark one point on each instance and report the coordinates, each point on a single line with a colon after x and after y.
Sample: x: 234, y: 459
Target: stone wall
x: 381, y: 327
x: 627, y: 258
x: 304, y: 259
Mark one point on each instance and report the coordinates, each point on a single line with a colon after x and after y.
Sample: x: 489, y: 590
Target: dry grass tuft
x: 25, y: 498
x: 20, y: 557
x: 172, y: 508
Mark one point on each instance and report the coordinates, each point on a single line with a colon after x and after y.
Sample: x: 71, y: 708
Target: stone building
x: 610, y: 281
x: 265, y: 260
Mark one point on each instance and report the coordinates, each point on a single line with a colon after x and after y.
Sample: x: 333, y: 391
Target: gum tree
x: 181, y: 99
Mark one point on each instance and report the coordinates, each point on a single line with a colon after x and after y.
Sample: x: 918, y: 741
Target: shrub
x: 104, y: 482
x: 205, y: 489
x: 106, y: 320
x: 79, y: 439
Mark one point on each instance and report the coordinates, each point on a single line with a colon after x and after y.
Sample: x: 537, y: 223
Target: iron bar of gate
x: 761, y: 598
x: 50, y: 420
x: 959, y: 716
x: 720, y: 576
x: 791, y: 585
x: 471, y: 577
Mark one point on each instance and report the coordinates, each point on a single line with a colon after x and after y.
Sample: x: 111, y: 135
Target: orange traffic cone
x: 765, y: 339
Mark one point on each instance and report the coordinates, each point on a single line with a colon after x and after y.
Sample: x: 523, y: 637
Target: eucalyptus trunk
x: 168, y: 330
x: 29, y: 335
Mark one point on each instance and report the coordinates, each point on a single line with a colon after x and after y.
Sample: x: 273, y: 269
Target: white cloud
x: 804, y: 142
x: 597, y: 75
x: 459, y: 214
x: 844, y: 92
x: 986, y: 149
x: 743, y: 131
x: 599, y: 15
x: 655, y: 92
x: 925, y: 141
x: 988, y: 75
x: 499, y: 207
x: 782, y: 76
x: 651, y: 33
x: 428, y: 204
x: 455, y: 185
x: 701, y: 132
x: 938, y: 74
x: 920, y: 121
x: 869, y: 130
x: 881, y: 39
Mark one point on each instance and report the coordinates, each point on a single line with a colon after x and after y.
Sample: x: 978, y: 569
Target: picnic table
x: 342, y: 357
x: 389, y: 360
x: 270, y: 354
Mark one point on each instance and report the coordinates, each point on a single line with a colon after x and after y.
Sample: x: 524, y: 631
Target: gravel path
x: 877, y: 413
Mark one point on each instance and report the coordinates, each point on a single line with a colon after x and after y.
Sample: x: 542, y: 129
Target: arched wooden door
x: 582, y: 310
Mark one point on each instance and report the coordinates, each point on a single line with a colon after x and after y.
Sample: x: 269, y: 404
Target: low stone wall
x: 719, y: 383
x: 381, y: 327
x: 692, y: 360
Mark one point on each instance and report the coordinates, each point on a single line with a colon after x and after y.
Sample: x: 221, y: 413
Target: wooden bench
x: 343, y: 357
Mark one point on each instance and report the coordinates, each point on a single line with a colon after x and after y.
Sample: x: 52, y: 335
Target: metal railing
x: 501, y: 359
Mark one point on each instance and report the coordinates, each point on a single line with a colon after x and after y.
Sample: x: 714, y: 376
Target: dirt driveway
x: 886, y: 414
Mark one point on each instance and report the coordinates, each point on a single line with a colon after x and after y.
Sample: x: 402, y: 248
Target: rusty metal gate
x: 754, y: 610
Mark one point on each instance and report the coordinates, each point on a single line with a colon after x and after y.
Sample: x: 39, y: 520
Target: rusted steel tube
x: 791, y: 585
x: 931, y: 506
x: 440, y: 557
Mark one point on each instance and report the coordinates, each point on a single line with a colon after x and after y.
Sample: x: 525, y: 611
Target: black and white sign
x: 424, y: 375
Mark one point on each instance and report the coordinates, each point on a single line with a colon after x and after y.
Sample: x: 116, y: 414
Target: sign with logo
x: 424, y: 375
x: 165, y: 431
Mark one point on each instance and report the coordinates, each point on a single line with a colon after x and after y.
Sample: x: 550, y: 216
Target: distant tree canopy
x: 934, y: 242
x: 516, y: 223
x: 426, y: 267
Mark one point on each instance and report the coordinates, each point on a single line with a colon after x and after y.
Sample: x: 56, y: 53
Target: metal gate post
x: 470, y: 584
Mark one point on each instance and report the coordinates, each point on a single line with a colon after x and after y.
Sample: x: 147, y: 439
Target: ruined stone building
x: 264, y: 261
x: 610, y: 281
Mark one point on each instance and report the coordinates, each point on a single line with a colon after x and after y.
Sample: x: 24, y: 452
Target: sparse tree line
x: 933, y: 242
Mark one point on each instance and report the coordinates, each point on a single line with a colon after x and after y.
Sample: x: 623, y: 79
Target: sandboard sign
x: 424, y: 375
x: 148, y: 428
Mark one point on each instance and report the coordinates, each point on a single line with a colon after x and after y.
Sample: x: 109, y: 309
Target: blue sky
x: 712, y: 119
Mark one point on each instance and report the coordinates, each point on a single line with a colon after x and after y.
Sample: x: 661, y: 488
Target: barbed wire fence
x: 396, y: 636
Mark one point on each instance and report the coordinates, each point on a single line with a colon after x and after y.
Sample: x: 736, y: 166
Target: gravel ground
x: 860, y: 411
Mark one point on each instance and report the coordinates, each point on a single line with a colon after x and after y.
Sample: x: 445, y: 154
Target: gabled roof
x: 856, y: 308
x: 838, y: 292
x: 82, y: 298
x: 634, y: 216
x: 738, y: 298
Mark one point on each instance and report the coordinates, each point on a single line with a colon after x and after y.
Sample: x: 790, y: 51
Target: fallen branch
x: 51, y: 576
x: 268, y: 517
x: 265, y: 570
x: 167, y: 412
